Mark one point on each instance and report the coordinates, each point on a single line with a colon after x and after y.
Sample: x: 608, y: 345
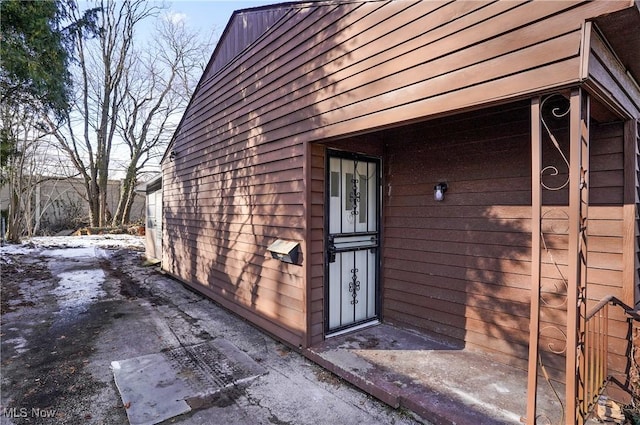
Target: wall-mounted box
x: 285, y: 251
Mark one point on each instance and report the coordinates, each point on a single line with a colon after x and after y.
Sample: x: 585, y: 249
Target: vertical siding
x: 244, y: 28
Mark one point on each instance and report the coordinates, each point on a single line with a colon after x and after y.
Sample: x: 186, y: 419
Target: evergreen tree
x: 34, y: 55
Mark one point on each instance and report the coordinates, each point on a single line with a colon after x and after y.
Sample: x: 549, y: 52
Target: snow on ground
x: 78, y: 288
x: 85, y: 244
x: 70, y: 252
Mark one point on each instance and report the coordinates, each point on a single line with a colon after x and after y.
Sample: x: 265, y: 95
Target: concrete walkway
x: 446, y: 384
x: 72, y: 318
x: 77, y: 321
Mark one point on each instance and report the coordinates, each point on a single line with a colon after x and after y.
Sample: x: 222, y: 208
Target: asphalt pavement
x: 91, y: 336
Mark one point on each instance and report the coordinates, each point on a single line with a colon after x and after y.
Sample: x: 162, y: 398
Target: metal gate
x: 352, y: 241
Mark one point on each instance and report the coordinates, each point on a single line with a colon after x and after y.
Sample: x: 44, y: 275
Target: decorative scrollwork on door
x: 354, y: 195
x: 354, y: 286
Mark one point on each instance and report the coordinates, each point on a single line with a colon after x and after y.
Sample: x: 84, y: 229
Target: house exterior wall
x: 326, y: 71
x: 461, y: 268
x: 608, y: 77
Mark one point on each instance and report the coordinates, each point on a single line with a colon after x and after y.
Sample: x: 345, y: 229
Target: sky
x: 207, y: 15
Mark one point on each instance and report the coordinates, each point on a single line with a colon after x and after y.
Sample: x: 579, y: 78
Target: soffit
x: 622, y: 32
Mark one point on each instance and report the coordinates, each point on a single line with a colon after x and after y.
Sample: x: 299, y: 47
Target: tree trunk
x: 127, y: 190
x: 127, y: 211
x: 127, y: 196
x: 94, y: 203
x: 14, y: 218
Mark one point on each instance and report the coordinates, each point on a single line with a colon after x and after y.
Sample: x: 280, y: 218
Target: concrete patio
x: 444, y: 384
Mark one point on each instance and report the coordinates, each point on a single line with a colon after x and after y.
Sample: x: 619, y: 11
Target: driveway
x: 91, y: 336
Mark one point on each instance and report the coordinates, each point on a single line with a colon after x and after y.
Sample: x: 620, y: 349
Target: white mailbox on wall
x: 285, y: 251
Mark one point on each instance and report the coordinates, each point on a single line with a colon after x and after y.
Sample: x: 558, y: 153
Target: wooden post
x: 536, y: 217
x: 576, y: 291
x: 630, y: 214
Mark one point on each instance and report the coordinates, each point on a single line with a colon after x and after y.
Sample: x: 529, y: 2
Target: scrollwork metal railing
x: 595, y: 375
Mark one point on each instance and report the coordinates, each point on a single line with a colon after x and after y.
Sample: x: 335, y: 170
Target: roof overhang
x: 622, y: 31
x: 151, y: 185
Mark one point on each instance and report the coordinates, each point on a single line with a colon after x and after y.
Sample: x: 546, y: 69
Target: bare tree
x: 87, y: 136
x: 32, y: 163
x: 156, y: 88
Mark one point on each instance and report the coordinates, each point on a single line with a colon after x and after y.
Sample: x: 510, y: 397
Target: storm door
x: 352, y: 241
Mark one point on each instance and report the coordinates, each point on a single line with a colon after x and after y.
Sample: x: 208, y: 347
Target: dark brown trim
x: 306, y: 255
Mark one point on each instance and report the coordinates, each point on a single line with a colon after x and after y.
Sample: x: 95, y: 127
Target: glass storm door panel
x: 353, y: 202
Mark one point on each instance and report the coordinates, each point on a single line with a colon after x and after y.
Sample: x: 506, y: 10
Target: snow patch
x: 18, y: 343
x: 494, y: 410
x: 14, y: 249
x: 87, y: 241
x: 84, y: 252
x: 501, y: 389
x: 78, y: 288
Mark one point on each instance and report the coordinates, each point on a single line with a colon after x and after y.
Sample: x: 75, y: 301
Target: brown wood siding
x: 631, y: 254
x: 632, y: 208
x: 318, y: 65
x: 244, y: 28
x: 221, y: 218
x: 608, y: 77
x: 461, y: 268
x: 327, y: 70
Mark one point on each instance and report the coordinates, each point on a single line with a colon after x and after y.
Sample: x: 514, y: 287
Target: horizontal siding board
x: 375, y: 111
x: 230, y: 188
x: 281, y: 68
x: 251, y: 266
x: 274, y: 57
x: 244, y: 167
x: 465, y: 262
x: 275, y: 327
x: 258, y: 215
x: 514, y: 85
x: 208, y: 228
x: 521, y: 14
x: 176, y: 187
x: 264, y: 65
x: 331, y: 70
x: 268, y: 308
x: 609, y: 73
x: 504, y: 22
x: 225, y: 82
